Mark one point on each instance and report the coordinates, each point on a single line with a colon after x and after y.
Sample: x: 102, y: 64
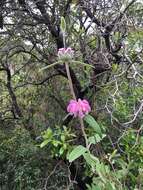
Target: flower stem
x: 74, y: 97
x: 83, y: 131
x: 70, y: 81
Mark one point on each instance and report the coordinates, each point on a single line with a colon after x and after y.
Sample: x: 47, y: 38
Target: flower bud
x: 65, y: 53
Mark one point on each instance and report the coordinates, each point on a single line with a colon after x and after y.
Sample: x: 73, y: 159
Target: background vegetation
x: 106, y: 34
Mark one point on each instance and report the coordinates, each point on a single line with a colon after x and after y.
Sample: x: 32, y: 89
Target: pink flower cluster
x: 65, y: 53
x: 79, y: 108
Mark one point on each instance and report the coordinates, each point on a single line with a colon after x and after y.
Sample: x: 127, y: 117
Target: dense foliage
x: 43, y: 146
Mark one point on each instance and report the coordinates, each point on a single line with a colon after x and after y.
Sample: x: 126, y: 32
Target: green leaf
x: 114, y: 67
x: 92, y: 140
x: 76, y: 153
x: 98, y: 138
x: 56, y: 143
x: 48, y: 134
x: 61, y: 150
x: 100, y: 172
x: 93, y: 187
x: 63, y: 24
x: 44, y: 143
x: 113, y: 154
x: 90, y: 159
x: 92, y: 123
x: 96, y: 187
x: 63, y: 138
x: 110, y: 186
x: 51, y: 65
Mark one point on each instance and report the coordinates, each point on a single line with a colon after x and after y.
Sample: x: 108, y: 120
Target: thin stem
x: 70, y: 81
x: 64, y: 39
x: 74, y: 97
x: 83, y: 132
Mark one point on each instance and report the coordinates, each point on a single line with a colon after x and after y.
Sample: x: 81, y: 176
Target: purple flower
x: 79, y: 108
x: 65, y: 53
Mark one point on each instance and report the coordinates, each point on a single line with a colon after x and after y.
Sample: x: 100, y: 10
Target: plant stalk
x: 74, y: 97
